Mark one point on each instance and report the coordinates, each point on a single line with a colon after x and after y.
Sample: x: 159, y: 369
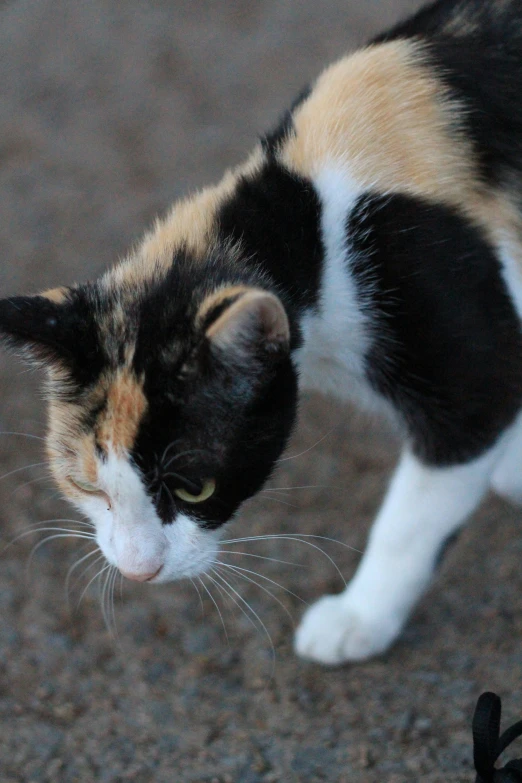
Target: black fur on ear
x: 52, y: 330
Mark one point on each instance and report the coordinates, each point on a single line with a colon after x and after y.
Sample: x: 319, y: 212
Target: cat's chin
x: 191, y: 570
x: 182, y: 550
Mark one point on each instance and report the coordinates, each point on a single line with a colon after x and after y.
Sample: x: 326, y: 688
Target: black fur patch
x: 486, y: 76
x: 220, y: 424
x: 276, y: 217
x: 447, y: 341
x: 433, y: 19
x: 166, y: 307
x: 91, y: 415
x: 63, y: 333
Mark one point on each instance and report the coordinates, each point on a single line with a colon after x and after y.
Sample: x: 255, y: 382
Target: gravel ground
x: 109, y: 111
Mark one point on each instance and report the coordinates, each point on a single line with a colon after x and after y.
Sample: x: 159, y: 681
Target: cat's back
x: 474, y: 47
x: 431, y: 109
x: 492, y: 21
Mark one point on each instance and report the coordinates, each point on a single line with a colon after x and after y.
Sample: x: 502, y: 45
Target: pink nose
x: 143, y: 577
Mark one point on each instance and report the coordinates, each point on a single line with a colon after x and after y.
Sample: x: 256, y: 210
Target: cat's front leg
x: 424, y: 506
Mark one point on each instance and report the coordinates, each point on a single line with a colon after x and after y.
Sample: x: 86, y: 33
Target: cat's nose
x: 145, y: 576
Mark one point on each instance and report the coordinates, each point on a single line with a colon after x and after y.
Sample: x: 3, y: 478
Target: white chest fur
x: 336, y: 336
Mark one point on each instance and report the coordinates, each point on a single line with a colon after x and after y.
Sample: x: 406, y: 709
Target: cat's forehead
x: 139, y: 325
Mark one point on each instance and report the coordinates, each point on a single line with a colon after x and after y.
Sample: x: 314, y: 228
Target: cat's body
x: 370, y: 247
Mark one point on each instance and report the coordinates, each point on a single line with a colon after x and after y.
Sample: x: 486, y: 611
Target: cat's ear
x: 41, y: 328
x: 254, y: 320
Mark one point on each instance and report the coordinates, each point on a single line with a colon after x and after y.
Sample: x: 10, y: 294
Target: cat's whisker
x: 302, y: 538
x: 81, y: 522
x: 200, y: 598
x: 46, y: 528
x: 261, y: 576
x: 215, y: 604
x: 307, y: 486
x: 261, y: 587
x: 263, y: 496
x: 107, y: 602
x: 32, y: 481
x: 169, y: 493
x: 221, y: 591
x: 88, y: 568
x: 269, y: 489
x: 65, y: 534
x: 23, y: 435
x: 25, y: 467
x: 113, y: 588
x: 89, y: 583
x: 196, y: 588
x: 187, y: 453
x: 266, y: 536
x: 102, y: 585
x: 302, y: 453
x: 51, y: 528
x: 76, y: 565
x: 164, y: 455
x: 227, y: 587
x: 263, y: 557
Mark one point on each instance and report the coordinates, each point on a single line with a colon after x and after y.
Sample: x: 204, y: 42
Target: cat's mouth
x: 141, y: 577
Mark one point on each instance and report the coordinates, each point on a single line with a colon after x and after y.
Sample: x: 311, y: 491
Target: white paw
x: 333, y: 632
x: 507, y: 486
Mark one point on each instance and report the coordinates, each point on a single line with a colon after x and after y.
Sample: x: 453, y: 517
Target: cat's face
x: 168, y: 407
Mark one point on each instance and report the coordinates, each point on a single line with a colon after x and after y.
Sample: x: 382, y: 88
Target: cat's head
x: 171, y: 397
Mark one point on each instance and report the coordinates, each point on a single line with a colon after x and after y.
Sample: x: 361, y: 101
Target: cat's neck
x: 294, y: 231
x: 264, y: 225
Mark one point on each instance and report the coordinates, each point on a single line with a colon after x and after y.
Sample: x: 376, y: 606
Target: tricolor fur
x: 370, y: 246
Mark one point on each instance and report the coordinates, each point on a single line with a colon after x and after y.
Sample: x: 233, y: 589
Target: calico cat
x: 370, y: 247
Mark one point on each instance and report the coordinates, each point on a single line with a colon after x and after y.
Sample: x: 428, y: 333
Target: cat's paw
x: 333, y: 632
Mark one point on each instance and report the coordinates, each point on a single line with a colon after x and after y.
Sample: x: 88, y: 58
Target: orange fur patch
x: 56, y: 295
x: 69, y: 449
x: 217, y: 297
x: 190, y: 224
x: 381, y: 116
x: 126, y: 405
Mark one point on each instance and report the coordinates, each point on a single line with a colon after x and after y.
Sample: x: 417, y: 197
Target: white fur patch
x: 132, y: 536
x: 336, y: 337
x: 423, y: 507
x: 509, y: 254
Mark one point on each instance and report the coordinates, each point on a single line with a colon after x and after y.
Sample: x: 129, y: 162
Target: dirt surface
x: 109, y: 111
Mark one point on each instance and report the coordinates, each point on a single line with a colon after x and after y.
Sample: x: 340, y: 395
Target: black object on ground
x: 488, y: 744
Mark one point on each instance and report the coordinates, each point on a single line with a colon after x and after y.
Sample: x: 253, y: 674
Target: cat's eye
x: 83, y: 485
x: 207, y: 490
x: 90, y: 489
